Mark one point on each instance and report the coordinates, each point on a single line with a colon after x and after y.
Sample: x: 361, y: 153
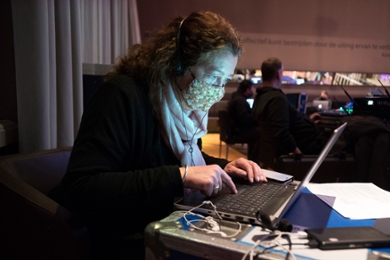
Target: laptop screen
x: 332, y: 140
x: 250, y: 102
x: 321, y: 104
x: 273, y: 210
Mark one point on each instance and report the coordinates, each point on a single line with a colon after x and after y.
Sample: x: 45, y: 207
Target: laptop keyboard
x: 250, y: 199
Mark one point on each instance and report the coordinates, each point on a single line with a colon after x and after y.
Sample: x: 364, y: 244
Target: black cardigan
x: 121, y: 174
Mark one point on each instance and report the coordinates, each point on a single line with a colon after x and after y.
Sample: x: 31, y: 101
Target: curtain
x: 108, y: 29
x: 52, y: 39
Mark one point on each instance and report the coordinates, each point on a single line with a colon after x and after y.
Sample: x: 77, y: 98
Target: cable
x: 293, y: 244
x: 189, y: 140
x: 214, y: 226
x: 274, y: 243
x: 216, y: 229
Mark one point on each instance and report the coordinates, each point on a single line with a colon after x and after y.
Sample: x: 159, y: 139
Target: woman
x: 137, y: 145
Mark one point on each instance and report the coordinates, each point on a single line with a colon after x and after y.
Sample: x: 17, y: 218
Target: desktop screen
x: 298, y: 100
x: 256, y: 80
x: 293, y: 98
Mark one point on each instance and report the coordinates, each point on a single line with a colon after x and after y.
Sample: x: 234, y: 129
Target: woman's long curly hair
x: 181, y: 44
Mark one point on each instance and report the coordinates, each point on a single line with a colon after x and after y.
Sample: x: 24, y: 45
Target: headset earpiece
x: 177, y: 69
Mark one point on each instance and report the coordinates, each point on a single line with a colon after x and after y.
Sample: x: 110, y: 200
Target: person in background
x: 244, y: 124
x: 324, y: 96
x: 283, y: 129
x: 136, y: 149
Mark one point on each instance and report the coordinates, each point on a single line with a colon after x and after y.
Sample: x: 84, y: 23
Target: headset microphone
x: 344, y: 108
x: 349, y: 96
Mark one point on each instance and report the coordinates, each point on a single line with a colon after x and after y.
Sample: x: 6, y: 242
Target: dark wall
x: 344, y: 18
x: 348, y: 36
x: 8, y: 105
x: 155, y: 13
x: 152, y: 14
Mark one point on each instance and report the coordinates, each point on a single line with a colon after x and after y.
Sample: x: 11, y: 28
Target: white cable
x: 276, y: 241
x: 208, y: 220
x: 252, y: 249
x: 286, y: 249
x: 267, y: 244
x: 181, y: 213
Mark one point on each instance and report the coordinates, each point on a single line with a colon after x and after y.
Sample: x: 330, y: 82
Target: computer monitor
x: 321, y: 104
x: 293, y: 98
x: 300, y: 81
x: 250, y: 102
x: 298, y: 100
x: 256, y: 80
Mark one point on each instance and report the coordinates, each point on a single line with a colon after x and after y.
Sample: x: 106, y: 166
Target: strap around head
x: 178, y: 69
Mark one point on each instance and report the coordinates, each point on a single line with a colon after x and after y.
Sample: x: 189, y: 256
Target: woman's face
x: 217, y: 71
x: 203, y: 85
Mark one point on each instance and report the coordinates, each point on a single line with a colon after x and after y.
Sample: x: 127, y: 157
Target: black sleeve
x: 111, y: 169
x: 210, y: 159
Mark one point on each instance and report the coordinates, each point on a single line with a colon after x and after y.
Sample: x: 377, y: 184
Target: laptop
x: 347, y: 238
x: 250, y: 102
x: 246, y: 211
x: 321, y: 104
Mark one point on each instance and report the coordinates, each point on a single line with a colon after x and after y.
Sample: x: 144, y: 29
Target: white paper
x: 354, y: 200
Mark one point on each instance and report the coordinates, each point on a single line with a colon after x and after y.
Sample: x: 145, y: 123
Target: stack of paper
x: 354, y: 200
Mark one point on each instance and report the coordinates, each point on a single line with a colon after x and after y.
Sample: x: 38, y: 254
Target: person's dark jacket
x: 240, y: 112
x: 282, y: 123
x: 121, y: 174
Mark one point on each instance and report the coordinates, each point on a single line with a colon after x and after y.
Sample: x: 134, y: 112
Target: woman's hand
x: 245, y: 169
x: 208, y: 179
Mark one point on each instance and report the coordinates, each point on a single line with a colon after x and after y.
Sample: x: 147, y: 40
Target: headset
x: 263, y: 218
x: 178, y: 68
x: 212, y: 226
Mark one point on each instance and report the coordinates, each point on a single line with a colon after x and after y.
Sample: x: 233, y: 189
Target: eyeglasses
x: 211, y: 79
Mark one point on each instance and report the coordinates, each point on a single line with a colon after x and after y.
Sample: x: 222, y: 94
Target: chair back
x: 32, y: 225
x: 41, y: 170
x: 225, y: 127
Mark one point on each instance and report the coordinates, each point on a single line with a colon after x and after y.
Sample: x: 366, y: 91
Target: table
x: 171, y: 238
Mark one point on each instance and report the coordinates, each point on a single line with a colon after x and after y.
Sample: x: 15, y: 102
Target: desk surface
x: 178, y: 240
x: 311, y: 212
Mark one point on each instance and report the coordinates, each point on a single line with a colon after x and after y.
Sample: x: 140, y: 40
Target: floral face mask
x: 201, y: 96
